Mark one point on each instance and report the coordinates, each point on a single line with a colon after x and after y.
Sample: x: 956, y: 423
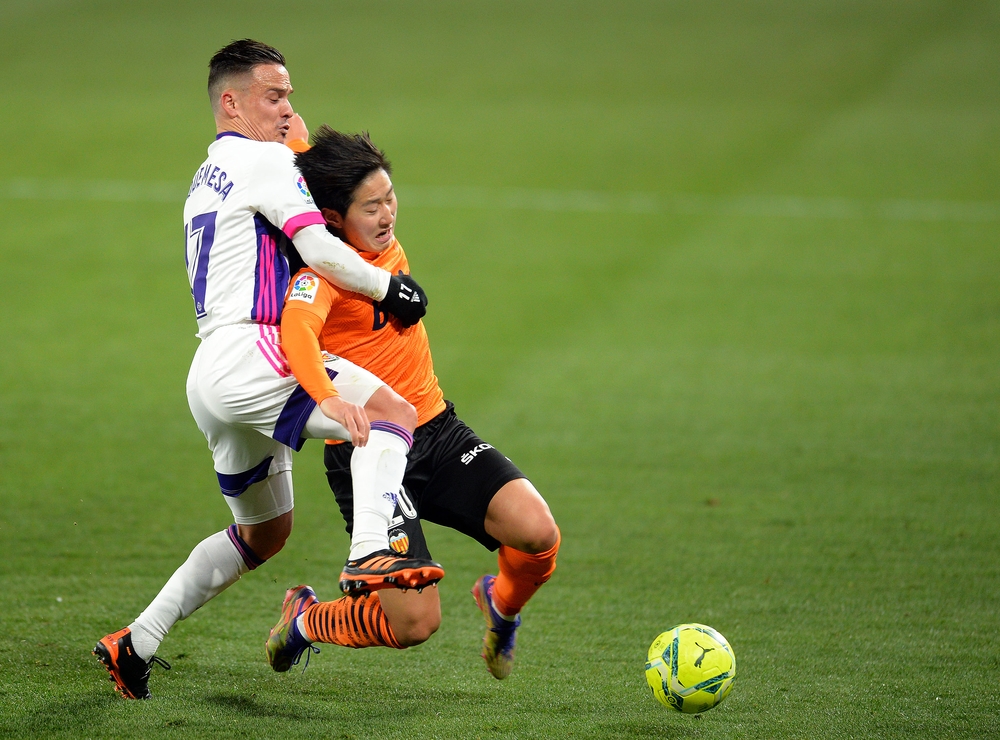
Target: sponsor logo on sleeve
x: 305, y: 288
x: 300, y: 183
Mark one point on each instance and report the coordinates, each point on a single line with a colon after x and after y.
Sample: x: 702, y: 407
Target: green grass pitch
x: 722, y: 277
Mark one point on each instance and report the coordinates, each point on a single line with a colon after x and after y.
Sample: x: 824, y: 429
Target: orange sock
x: 351, y: 621
x: 521, y: 575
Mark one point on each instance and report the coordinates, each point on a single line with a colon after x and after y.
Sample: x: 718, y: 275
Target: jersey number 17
x: 202, y: 231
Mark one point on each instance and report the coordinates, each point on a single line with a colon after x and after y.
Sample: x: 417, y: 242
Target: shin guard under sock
x: 377, y: 471
x: 214, y: 564
x: 521, y: 575
x: 351, y: 621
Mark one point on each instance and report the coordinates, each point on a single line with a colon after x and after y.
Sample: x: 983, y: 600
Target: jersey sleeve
x: 279, y: 192
x: 308, y: 303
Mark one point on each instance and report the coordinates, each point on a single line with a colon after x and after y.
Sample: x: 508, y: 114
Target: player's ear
x: 227, y: 102
x: 333, y: 218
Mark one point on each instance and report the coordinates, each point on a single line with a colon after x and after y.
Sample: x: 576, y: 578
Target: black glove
x: 405, y: 300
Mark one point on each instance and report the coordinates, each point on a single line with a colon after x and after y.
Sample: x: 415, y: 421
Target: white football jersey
x: 245, y: 200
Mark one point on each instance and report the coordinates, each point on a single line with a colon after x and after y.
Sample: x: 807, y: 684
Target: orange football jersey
x: 354, y: 327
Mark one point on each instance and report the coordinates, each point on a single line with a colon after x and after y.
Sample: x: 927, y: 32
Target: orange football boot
x: 387, y: 569
x: 129, y: 672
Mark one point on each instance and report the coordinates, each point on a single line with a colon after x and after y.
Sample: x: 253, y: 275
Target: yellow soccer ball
x: 690, y: 668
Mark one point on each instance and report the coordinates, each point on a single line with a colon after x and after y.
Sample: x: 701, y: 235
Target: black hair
x: 238, y: 58
x: 337, y: 164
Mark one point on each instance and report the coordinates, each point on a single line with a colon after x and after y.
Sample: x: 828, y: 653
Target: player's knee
x: 519, y: 518
x: 535, y: 529
x: 270, y: 548
x: 413, y: 616
x: 267, y: 546
x: 418, y: 630
x: 404, y: 413
x: 267, y: 538
x: 387, y: 405
x: 541, y: 536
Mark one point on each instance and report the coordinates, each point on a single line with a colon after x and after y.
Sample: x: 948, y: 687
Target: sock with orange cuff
x: 521, y: 575
x: 351, y: 621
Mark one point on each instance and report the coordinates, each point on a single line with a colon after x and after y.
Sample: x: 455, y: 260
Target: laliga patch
x: 300, y: 183
x: 305, y: 289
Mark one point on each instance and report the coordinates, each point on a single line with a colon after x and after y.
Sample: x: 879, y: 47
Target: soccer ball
x: 690, y: 668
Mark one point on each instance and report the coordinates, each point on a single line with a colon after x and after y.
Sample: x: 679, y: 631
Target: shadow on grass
x: 683, y: 727
x: 60, y: 717
x: 111, y: 715
x: 352, y: 705
x: 249, y: 706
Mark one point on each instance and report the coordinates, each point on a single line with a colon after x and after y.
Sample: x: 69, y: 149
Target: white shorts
x: 253, y: 412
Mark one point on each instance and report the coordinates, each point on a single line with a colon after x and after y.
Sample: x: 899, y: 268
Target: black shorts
x: 451, y: 477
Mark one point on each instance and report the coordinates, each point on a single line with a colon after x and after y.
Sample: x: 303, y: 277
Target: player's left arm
x: 400, y: 295
x: 302, y: 322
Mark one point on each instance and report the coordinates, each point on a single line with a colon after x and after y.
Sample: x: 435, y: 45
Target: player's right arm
x: 308, y: 304
x: 280, y: 195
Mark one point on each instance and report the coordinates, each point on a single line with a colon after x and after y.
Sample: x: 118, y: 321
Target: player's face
x: 371, y: 218
x: 264, y: 105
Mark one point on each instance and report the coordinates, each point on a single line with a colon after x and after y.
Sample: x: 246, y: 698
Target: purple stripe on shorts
x: 293, y: 417
x: 388, y: 426
x: 237, y: 483
x: 252, y: 559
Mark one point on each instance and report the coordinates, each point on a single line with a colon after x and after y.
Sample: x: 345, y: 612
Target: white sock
x: 144, y: 642
x: 213, y: 565
x: 377, y: 471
